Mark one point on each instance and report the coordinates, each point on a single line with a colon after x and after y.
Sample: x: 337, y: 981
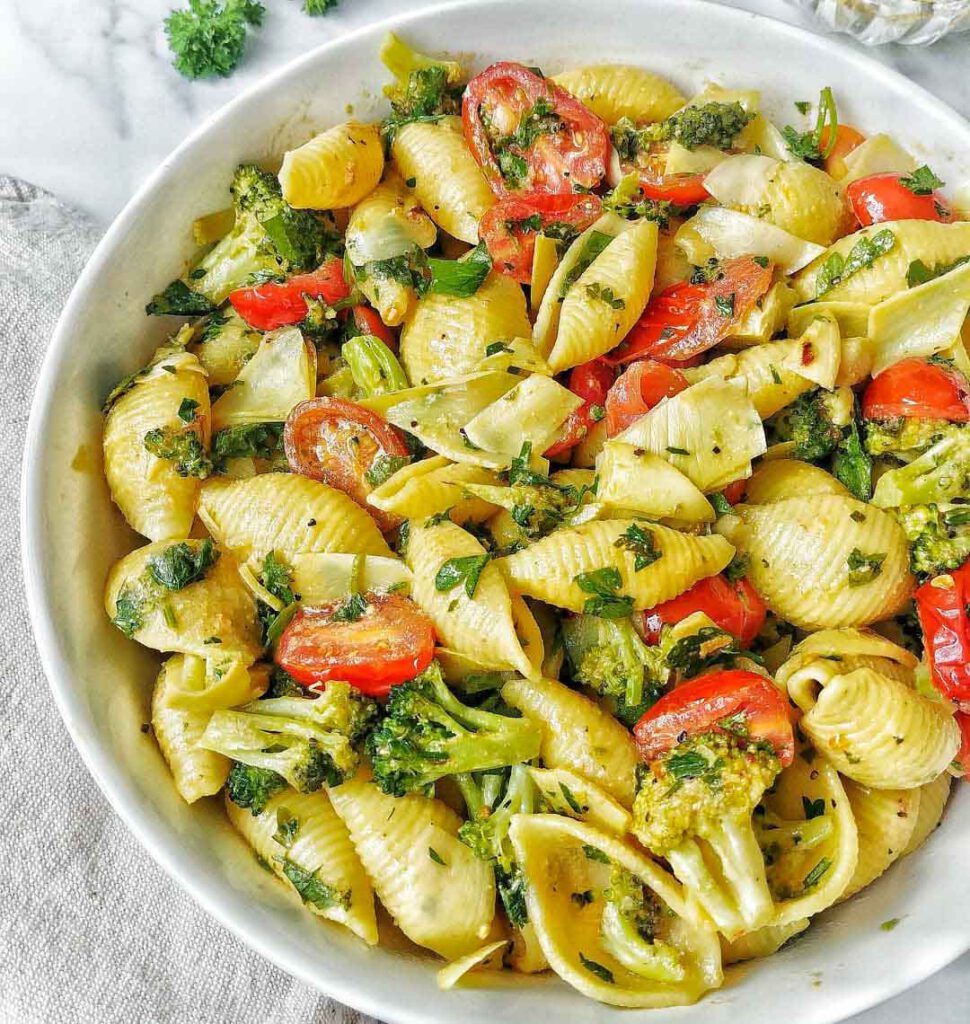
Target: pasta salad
x: 557, y: 512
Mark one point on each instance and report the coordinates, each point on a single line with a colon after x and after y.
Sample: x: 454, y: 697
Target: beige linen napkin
x: 92, y: 931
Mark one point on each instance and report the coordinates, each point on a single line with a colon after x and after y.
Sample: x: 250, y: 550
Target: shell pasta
x: 554, y: 504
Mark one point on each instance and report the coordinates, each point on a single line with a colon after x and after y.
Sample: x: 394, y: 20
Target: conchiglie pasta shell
x: 925, y: 240
x: 386, y: 222
x: 550, y: 850
x: 447, y: 907
x: 880, y: 732
x: 613, y: 91
x: 447, y: 181
x: 429, y: 487
x: 219, y: 605
x: 321, y: 846
x: 577, y: 734
x: 932, y: 803
x: 446, y: 336
x: 805, y: 781
x: 597, y: 807
x: 885, y: 820
x: 548, y: 568
x: 779, y: 479
x: 798, y: 551
x: 336, y: 168
x: 802, y: 200
x: 228, y: 349
x: 196, y: 772
x: 286, y: 513
x: 156, y: 501
x: 589, y: 325
x: 481, y: 627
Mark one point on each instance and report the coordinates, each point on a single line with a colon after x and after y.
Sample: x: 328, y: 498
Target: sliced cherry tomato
x: 529, y: 135
x: 368, y: 321
x: 883, y: 197
x: 963, y: 757
x: 701, y: 705
x: 510, y: 227
x: 686, y: 319
x: 277, y: 304
x: 734, y: 491
x: 941, y: 604
x: 734, y: 607
x: 591, y: 382
x: 637, y: 390
x: 917, y: 389
x: 338, y: 442
x: 847, y: 139
x: 391, y: 642
x: 680, y: 189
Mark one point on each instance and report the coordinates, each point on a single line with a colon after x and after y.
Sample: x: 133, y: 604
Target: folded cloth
x: 91, y: 929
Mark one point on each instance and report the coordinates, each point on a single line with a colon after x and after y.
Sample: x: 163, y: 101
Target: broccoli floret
x: 940, y: 474
x: 631, y: 927
x: 807, y: 423
x: 428, y: 733
x: 487, y: 835
x: 247, y: 440
x: 698, y: 787
x: 268, y: 240
x: 308, y: 741
x: 182, y: 447
x: 208, y: 39
x: 939, y: 537
x: 904, y: 436
x: 609, y: 657
x: 424, y: 88
x: 251, y: 787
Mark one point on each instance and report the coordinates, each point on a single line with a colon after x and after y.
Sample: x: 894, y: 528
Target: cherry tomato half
x: 883, y: 197
x: 637, y: 390
x: 529, y: 135
x: 510, y: 227
x: 734, y: 607
x: 686, y: 319
x: 338, y: 442
x: 917, y: 389
x: 963, y: 757
x: 368, y: 321
x: 280, y: 303
x: 700, y: 705
x: 391, y: 642
x: 941, y: 605
x: 847, y: 139
x: 591, y: 382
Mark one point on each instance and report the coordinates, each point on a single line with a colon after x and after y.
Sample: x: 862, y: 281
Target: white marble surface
x: 89, y: 105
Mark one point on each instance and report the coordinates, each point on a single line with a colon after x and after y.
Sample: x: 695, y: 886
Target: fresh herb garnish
x: 863, y: 568
x: 922, y: 182
x: 466, y: 570
x: 604, y: 585
x: 864, y: 253
x: 642, y: 544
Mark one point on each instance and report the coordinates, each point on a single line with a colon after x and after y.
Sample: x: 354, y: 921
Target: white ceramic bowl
x: 72, y: 533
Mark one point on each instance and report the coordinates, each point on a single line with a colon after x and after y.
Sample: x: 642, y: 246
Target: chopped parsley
x: 186, y: 410
x: 808, y: 145
x: 725, y: 304
x: 435, y: 856
x: 582, y: 899
x: 593, y: 245
x: 919, y: 273
x: 863, y: 568
x: 179, y: 565
x: 642, y: 544
x: 313, y: 889
x: 183, y: 448
x: 277, y: 577
x: 287, y: 826
x: 594, y: 853
x: 604, y: 585
x: 922, y: 182
x: 813, y: 808
x: 597, y: 291
x: 350, y: 610
x: 601, y: 972
x: 384, y: 467
x: 815, y: 875
x: 466, y: 570
x: 863, y: 254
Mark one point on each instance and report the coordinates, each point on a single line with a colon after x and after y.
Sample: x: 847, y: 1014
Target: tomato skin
x: 392, y: 642
x: 945, y: 621
x: 337, y: 441
x: 637, y: 390
x: 279, y: 304
x: 734, y: 607
x: 734, y: 492
x: 963, y: 757
x: 591, y: 382
x: 368, y: 321
x: 917, y: 389
x: 506, y: 91
x: 681, y: 189
x: 847, y: 139
x: 684, y: 320
x: 511, y: 247
x: 882, y: 197
x: 697, y: 706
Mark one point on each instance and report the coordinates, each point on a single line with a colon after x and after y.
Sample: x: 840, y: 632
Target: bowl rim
x: 159, y: 842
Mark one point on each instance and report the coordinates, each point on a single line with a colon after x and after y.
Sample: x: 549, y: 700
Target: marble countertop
x: 89, y: 105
